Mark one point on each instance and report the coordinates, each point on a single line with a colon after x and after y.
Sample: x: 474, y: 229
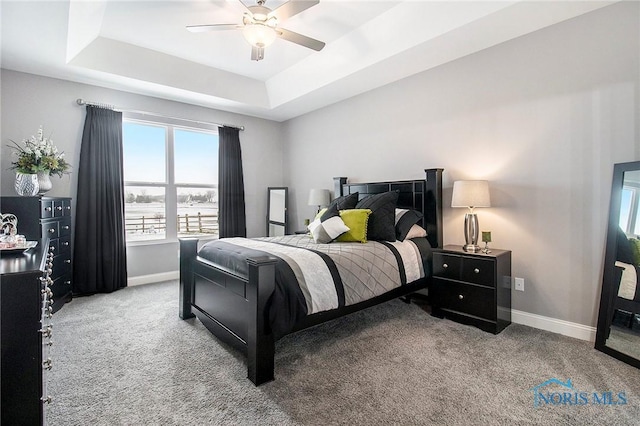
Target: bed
x: 234, y: 286
x: 626, y: 304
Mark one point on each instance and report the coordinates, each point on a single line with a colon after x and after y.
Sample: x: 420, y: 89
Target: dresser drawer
x: 63, y: 244
x: 46, y: 208
x: 61, y: 265
x: 64, y: 226
x: 464, y: 298
x: 446, y: 265
x: 50, y: 229
x: 478, y: 271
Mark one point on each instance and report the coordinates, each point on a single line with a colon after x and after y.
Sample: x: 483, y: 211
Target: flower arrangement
x: 39, y: 154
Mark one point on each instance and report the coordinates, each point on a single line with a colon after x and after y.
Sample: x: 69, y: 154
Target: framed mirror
x: 277, y: 201
x: 618, y: 332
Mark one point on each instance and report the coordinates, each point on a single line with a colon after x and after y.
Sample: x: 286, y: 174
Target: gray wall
x: 29, y: 101
x: 543, y: 117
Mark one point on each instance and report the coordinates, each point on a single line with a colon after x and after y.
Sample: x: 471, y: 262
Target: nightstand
x: 472, y: 288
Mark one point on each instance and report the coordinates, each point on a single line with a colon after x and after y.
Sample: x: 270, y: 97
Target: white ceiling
x: 143, y: 46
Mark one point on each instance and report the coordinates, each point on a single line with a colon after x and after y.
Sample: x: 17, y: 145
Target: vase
x: 44, y: 182
x: 26, y: 184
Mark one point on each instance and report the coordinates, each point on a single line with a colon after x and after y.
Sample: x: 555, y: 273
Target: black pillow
x: 625, y: 252
x: 346, y: 202
x: 381, y: 225
x: 405, y: 219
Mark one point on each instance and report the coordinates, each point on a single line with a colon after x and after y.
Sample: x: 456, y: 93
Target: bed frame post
x: 433, y: 206
x: 337, y: 186
x: 260, y: 343
x: 188, y: 251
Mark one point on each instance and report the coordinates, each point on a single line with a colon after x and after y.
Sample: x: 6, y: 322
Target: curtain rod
x: 81, y: 101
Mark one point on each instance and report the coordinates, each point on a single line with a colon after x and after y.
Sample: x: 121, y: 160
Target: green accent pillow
x: 635, y: 248
x: 356, y: 220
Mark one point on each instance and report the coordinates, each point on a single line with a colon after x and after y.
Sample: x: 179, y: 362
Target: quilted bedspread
x: 312, y: 277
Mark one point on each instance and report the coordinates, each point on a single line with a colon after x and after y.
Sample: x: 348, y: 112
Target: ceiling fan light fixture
x: 259, y: 35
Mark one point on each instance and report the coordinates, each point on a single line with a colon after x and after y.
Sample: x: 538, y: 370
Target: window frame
x: 170, y: 186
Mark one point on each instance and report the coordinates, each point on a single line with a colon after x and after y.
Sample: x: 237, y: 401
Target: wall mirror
x: 277, y: 202
x: 618, y: 332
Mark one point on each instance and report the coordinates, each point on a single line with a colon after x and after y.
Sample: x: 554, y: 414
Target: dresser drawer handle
x: 47, y: 209
x: 68, y: 282
x: 59, y: 208
x: 52, y: 248
x: 65, y: 227
x: 67, y: 261
x: 66, y: 243
x: 52, y: 230
x: 68, y: 207
x: 477, y: 271
x: 445, y: 266
x: 460, y: 296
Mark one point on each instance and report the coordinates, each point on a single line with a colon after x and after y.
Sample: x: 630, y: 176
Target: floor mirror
x: 277, y: 201
x: 618, y: 332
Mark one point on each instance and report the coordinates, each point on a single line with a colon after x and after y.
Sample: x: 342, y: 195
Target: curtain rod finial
x: 80, y: 101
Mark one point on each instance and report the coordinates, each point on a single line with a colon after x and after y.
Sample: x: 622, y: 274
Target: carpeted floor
x: 127, y: 359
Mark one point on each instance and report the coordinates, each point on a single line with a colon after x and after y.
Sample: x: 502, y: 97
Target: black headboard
x: 424, y: 195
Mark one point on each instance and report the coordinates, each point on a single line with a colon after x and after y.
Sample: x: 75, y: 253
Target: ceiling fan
x: 260, y: 26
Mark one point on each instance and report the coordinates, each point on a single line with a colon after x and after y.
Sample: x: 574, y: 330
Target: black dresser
x: 25, y: 315
x: 42, y: 218
x: 472, y: 288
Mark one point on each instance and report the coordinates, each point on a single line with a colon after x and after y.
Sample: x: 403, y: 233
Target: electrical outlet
x: 519, y: 284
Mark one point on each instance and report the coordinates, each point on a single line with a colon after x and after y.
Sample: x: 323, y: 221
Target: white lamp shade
x: 319, y: 197
x: 470, y: 193
x: 259, y: 35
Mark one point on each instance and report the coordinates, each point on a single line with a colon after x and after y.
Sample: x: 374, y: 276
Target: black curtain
x: 231, y: 214
x: 99, y: 259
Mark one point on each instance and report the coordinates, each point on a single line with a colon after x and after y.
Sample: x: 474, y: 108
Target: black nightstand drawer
x: 469, y: 299
x: 478, y: 271
x: 446, y: 266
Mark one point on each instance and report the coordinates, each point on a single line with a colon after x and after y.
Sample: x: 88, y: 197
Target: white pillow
x: 416, y: 231
x: 327, y: 231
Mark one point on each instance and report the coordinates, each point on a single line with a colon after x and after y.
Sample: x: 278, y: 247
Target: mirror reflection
x: 277, y: 211
x: 624, y: 334
x: 623, y: 313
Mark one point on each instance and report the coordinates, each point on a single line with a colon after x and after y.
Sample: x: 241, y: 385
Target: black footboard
x: 232, y: 307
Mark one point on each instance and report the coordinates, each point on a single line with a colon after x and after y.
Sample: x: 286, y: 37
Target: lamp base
x: 471, y: 233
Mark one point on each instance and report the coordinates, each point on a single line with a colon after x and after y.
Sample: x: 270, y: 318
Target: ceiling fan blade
x: 291, y: 8
x: 300, y: 39
x: 257, y: 53
x: 212, y: 27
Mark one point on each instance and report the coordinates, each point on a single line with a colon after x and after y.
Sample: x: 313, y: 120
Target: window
x: 170, y: 178
x: 630, y: 210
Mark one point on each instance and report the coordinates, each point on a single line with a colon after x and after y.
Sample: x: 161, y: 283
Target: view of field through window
x: 171, y: 180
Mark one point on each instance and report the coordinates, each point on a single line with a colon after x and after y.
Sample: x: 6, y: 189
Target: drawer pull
x: 59, y: 208
x: 460, y: 296
x: 68, y: 282
x: 47, y: 209
x: 52, y: 230
x: 65, y: 227
x: 52, y: 248
x: 67, y: 261
x: 445, y: 266
x: 477, y: 271
x: 47, y: 365
x: 68, y: 207
x: 66, y: 243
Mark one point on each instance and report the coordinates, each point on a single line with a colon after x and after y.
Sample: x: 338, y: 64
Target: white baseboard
x: 566, y: 328
x: 153, y: 278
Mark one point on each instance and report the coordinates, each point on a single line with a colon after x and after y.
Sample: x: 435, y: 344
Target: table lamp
x: 471, y: 194
x: 319, y: 197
